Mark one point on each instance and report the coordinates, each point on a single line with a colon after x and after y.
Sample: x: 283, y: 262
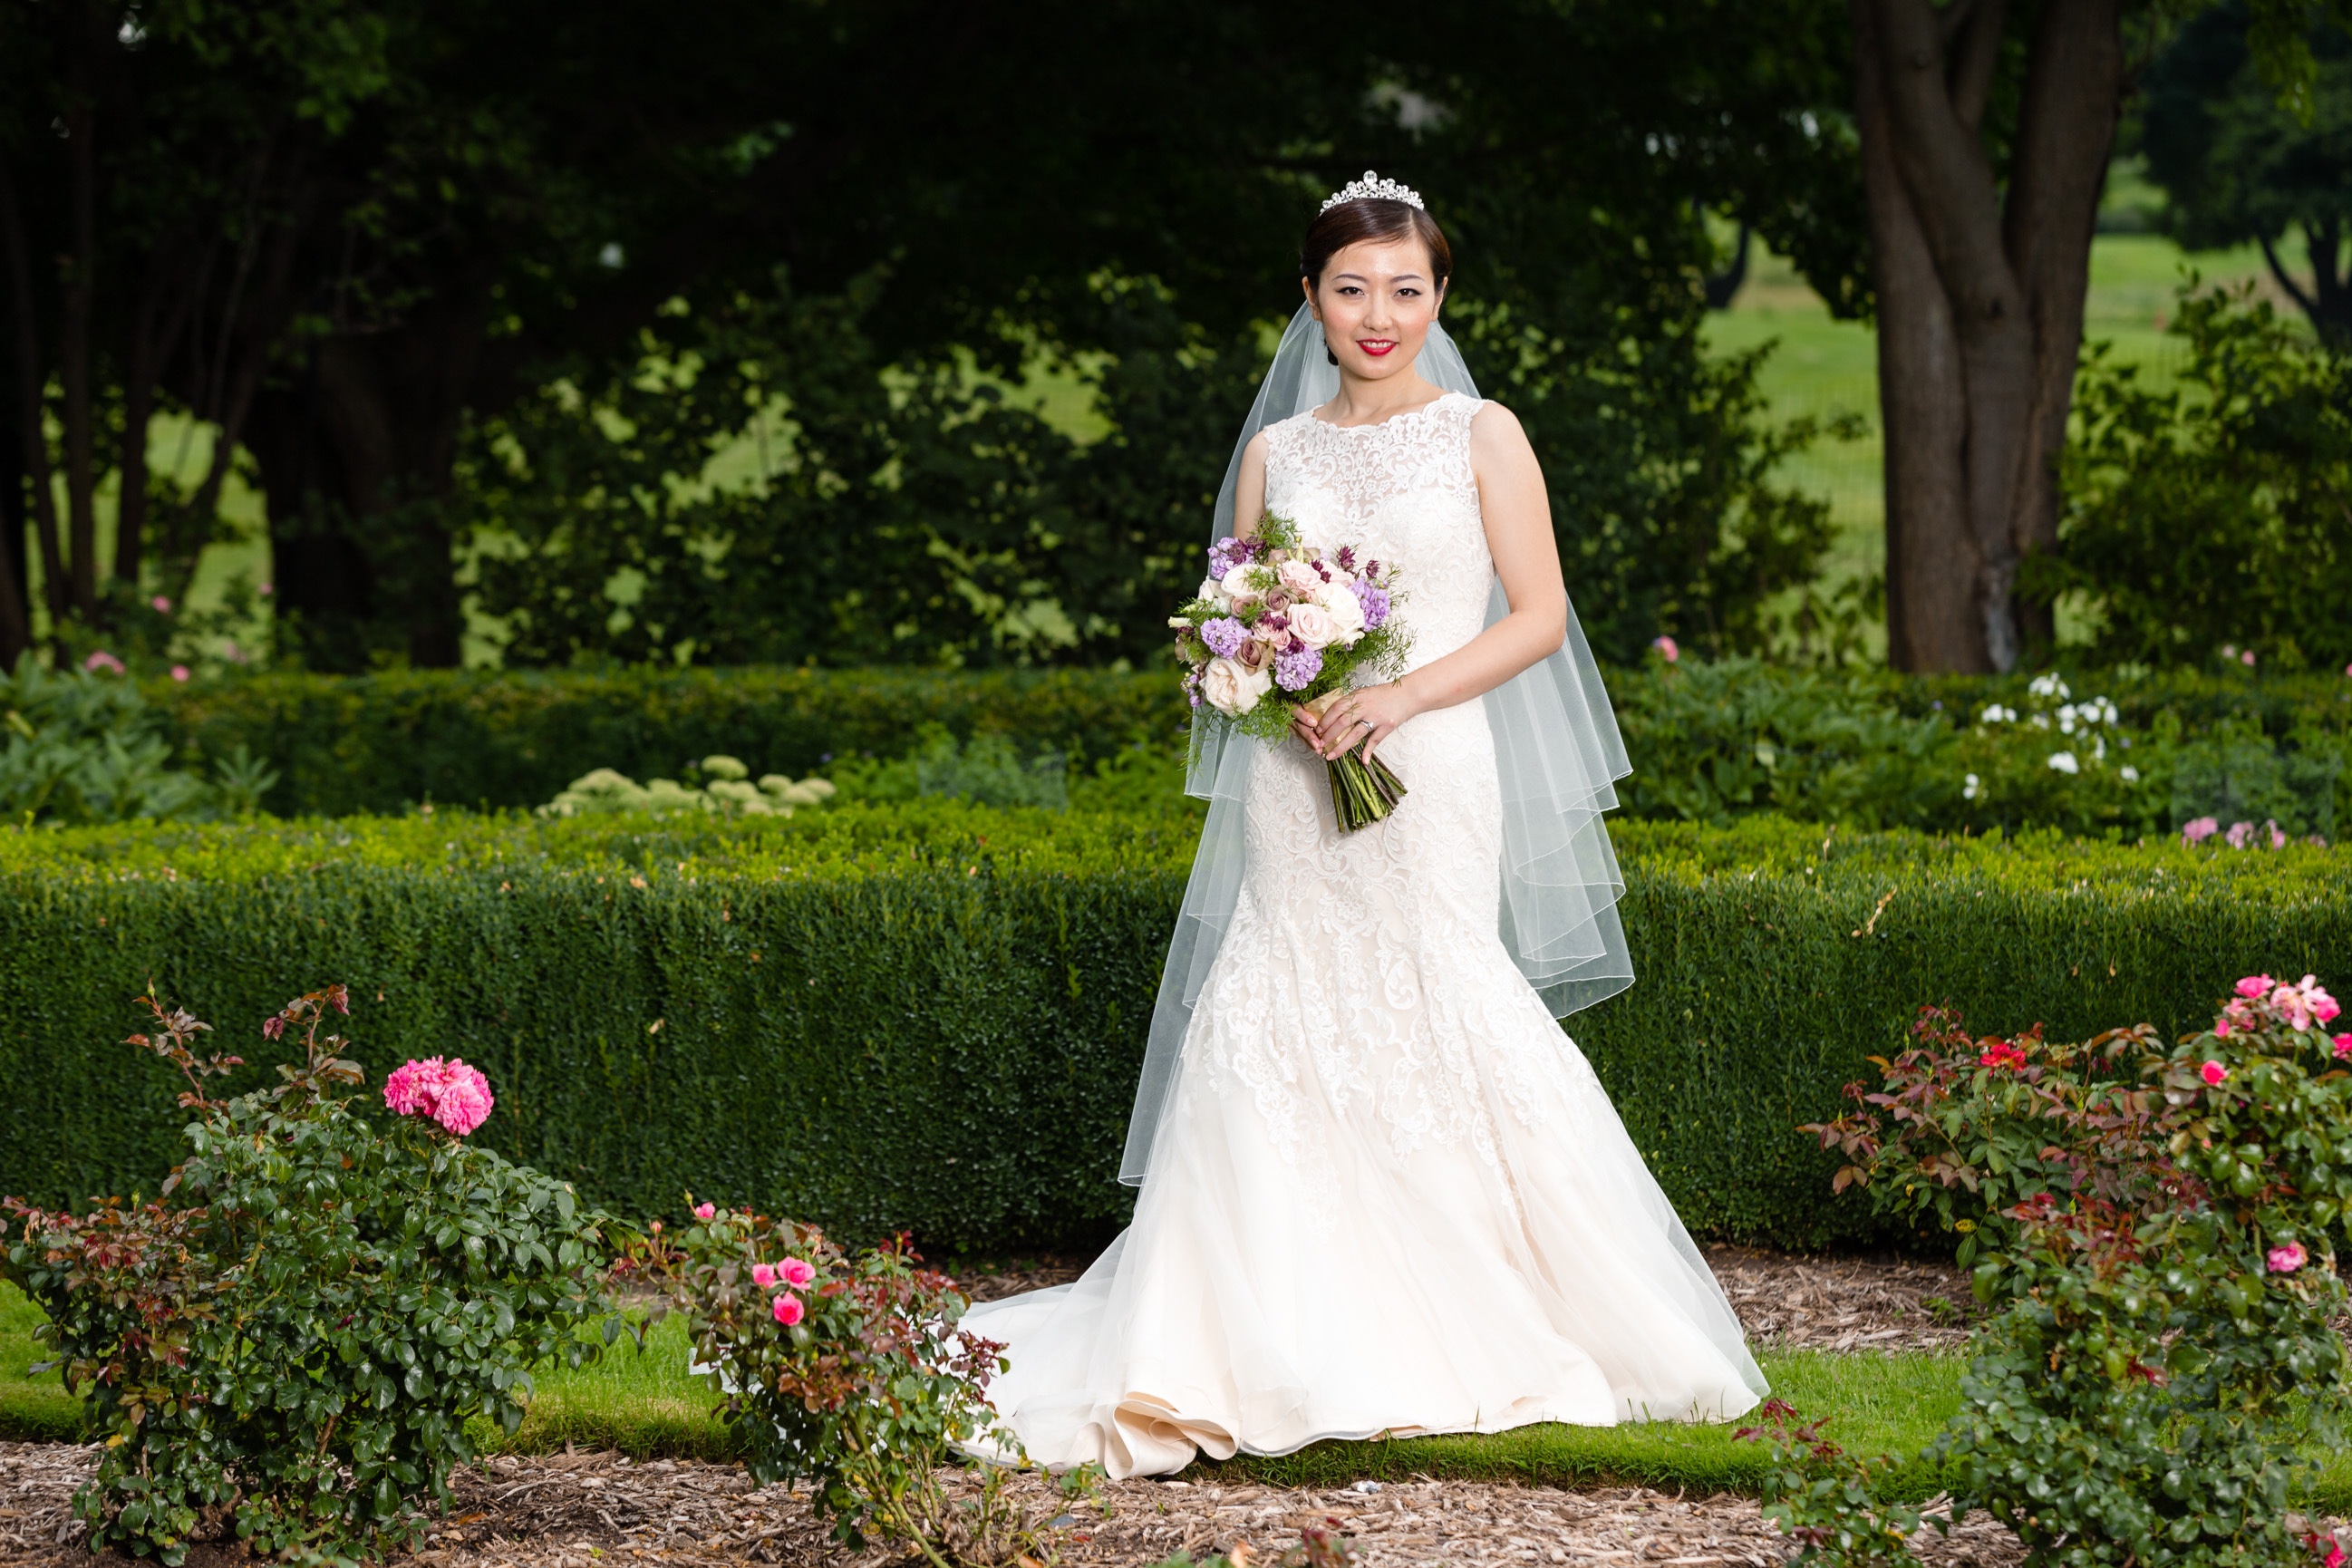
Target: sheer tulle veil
x: 1557, y: 751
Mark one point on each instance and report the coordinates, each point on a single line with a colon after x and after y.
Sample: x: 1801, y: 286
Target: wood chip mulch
x: 600, y: 1510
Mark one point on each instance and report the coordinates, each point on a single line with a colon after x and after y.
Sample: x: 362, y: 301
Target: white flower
x: 1995, y: 713
x: 2129, y: 774
x: 2099, y: 748
x: 1214, y: 592
x: 2066, y: 720
x: 1311, y: 623
x: 2048, y: 686
x: 1231, y: 690
x: 2064, y: 763
x: 1178, y: 623
x: 1968, y: 790
x: 1345, y: 610
x: 1237, y: 586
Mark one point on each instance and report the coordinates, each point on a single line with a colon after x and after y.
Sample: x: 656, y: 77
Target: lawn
x: 647, y: 1405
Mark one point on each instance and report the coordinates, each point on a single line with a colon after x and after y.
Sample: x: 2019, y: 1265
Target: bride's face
x: 1376, y: 302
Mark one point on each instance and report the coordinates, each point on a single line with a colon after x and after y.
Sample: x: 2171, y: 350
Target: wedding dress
x: 1388, y: 1193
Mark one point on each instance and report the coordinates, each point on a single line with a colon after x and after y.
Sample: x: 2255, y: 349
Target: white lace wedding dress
x: 1389, y: 1195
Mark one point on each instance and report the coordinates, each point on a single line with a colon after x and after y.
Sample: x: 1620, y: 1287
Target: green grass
x: 646, y: 1405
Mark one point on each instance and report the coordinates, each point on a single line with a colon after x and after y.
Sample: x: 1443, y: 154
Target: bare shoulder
x: 1253, y: 454
x: 1498, y: 441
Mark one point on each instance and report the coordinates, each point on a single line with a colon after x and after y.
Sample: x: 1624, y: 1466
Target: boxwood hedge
x: 930, y: 1016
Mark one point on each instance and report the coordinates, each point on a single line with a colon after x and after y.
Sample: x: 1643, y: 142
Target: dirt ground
x: 600, y: 1511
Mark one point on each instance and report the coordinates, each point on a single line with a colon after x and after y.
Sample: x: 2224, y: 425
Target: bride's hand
x: 1364, y: 717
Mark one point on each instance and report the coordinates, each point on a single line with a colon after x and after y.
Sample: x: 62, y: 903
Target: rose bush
x: 289, y: 1343
x: 2160, y: 1243
x: 848, y: 1371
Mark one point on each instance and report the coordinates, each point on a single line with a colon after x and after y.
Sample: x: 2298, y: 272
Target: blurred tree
x: 2237, y: 166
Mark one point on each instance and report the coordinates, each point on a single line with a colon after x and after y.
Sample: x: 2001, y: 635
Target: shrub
x: 294, y: 1341
x: 1710, y: 743
x: 2167, y: 1344
x: 729, y: 792
x: 848, y: 1372
x: 930, y: 1016
x: 84, y: 746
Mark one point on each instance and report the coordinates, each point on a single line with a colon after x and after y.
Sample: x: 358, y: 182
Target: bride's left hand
x: 1366, y: 716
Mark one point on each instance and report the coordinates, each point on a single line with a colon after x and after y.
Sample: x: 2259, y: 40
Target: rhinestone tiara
x: 1370, y: 188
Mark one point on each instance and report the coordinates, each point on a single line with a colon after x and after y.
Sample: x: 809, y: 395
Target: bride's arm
x: 1249, y: 487
x: 1517, y: 512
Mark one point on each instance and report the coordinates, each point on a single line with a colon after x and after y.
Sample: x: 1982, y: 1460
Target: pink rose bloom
x: 2213, y: 1073
x: 795, y: 1272
x: 2255, y: 985
x: 788, y: 1309
x: 1667, y: 649
x: 411, y: 1087
x: 2343, y: 1045
x: 2335, y: 1558
x: 1298, y: 579
x: 2278, y: 834
x: 267, y: 589
x: 2239, y: 833
x: 2002, y: 1054
x: 2221, y: 1028
x: 763, y: 1275
x: 2247, y: 658
x: 466, y: 1100
x: 2288, y: 1258
x: 2199, y: 830
x: 705, y: 1211
x: 162, y: 606
x: 101, y: 660
x: 180, y: 673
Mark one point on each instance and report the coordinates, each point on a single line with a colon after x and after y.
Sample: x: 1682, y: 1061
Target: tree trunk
x: 16, y: 607
x: 77, y: 286
x: 1980, y: 282
x: 32, y: 439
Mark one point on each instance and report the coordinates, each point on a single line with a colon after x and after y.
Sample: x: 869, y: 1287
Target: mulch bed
x: 597, y: 1510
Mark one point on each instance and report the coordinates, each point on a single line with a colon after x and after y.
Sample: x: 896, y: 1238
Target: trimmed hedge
x: 1709, y: 742
x: 930, y: 1016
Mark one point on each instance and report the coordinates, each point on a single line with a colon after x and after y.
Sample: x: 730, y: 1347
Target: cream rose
x: 1214, y: 592
x: 1237, y: 587
x: 1302, y: 580
x: 1231, y: 689
x: 1311, y: 623
x: 1345, y: 610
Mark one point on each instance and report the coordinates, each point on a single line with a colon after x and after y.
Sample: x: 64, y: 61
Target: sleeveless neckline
x: 1312, y: 418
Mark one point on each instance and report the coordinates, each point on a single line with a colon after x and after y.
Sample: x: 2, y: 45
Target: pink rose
x: 162, y: 606
x: 2343, y: 1045
x: 2255, y: 985
x: 1311, y: 623
x: 763, y: 1275
x: 2286, y: 1259
x: 449, y: 1092
x: 705, y: 1211
x: 2247, y: 658
x: 2199, y: 829
x: 180, y: 673
x: 101, y: 660
x: 788, y: 1309
x: 2221, y: 1028
x: 2002, y: 1054
x: 1300, y: 580
x: 796, y: 1272
x: 1667, y: 649
x: 2213, y: 1073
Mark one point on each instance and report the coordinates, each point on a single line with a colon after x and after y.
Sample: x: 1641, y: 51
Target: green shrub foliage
x: 292, y: 1341
x: 930, y: 1016
x: 85, y: 745
x: 1709, y: 742
x: 2164, y: 1259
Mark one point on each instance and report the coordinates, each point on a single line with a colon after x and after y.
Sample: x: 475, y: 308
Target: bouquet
x: 1278, y: 628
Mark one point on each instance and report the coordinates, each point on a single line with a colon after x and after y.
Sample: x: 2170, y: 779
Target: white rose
x: 1300, y: 579
x: 1214, y: 592
x: 1237, y: 585
x: 1231, y: 689
x: 1345, y: 610
x: 1311, y: 623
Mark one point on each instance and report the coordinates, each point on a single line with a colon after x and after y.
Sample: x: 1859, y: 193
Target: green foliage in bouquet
x: 846, y: 1371
x: 2165, y: 1352
x: 289, y: 1343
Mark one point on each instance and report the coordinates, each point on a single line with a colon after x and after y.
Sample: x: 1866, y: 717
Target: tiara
x: 1370, y: 188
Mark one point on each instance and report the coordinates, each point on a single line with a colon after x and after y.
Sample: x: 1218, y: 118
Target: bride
x: 1381, y: 1190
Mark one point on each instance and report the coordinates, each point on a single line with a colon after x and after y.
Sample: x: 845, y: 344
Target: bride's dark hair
x: 1374, y: 218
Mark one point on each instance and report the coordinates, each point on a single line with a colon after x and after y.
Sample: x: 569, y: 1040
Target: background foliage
x: 931, y: 1014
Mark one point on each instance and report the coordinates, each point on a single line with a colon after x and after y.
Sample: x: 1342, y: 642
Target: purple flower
x: 1347, y: 564
x: 1225, y: 554
x: 1294, y: 670
x: 1224, y: 636
x: 1375, y: 602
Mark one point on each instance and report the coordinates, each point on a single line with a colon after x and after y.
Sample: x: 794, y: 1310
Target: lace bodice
x: 1402, y: 491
